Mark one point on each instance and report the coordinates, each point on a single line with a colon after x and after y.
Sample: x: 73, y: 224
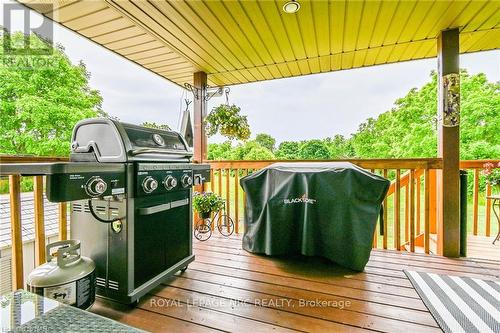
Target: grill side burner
x: 130, y: 189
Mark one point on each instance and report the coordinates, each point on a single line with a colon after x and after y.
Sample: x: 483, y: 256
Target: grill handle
x: 140, y: 151
x: 163, y: 207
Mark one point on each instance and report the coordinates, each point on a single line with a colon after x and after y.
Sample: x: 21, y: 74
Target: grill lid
x: 110, y: 141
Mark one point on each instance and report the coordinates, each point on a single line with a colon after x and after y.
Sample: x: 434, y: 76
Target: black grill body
x: 130, y: 189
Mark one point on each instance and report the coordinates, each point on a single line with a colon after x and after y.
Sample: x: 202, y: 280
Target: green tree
x: 219, y: 151
x: 41, y: 99
x: 266, y: 141
x: 156, y: 126
x: 288, y: 150
x: 314, y: 150
x: 409, y: 129
x: 339, y: 147
x: 251, y: 150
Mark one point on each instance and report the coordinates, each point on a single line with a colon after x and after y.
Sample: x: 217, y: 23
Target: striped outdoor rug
x: 460, y: 304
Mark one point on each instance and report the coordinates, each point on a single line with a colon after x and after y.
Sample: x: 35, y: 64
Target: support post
x: 448, y: 179
x: 199, y: 114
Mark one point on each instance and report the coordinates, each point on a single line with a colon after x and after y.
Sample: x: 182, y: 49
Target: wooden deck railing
x: 409, y: 217
x: 407, y: 222
x: 15, y: 216
x: 481, y: 207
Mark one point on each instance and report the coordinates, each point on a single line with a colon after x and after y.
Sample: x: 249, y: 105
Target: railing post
x: 228, y: 191
x: 475, y: 204
x: 427, y: 214
x: 16, y: 232
x: 411, y: 188
x: 39, y: 221
x: 384, y: 239
x: 488, y: 211
x: 407, y: 211
x: 417, y: 198
x: 448, y: 141
x: 236, y: 200
x: 432, y: 202
x: 397, y: 213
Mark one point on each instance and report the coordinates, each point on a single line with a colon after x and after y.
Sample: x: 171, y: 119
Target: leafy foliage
x: 266, y: 141
x: 207, y: 202
x: 227, y: 120
x: 251, y: 150
x: 41, y: 99
x: 220, y: 151
x: 409, y: 129
x: 288, y: 150
x: 492, y: 173
x: 314, y: 150
x: 339, y: 147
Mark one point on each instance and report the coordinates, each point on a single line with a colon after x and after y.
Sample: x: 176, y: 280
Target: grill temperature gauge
x: 149, y: 184
x: 170, y: 182
x: 95, y: 186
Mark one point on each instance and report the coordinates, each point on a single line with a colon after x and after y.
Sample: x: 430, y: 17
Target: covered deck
x: 205, y: 44
x: 228, y: 289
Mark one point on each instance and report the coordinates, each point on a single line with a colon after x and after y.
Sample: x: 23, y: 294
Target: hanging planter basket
x: 227, y: 120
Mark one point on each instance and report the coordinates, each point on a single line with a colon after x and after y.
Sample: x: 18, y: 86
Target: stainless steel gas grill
x: 130, y: 189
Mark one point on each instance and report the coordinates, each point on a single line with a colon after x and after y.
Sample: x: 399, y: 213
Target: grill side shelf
x: 45, y: 169
x: 68, y: 181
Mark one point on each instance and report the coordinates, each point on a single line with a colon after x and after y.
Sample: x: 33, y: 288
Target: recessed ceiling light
x: 291, y: 7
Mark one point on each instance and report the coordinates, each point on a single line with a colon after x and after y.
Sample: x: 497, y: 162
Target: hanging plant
x: 227, y: 120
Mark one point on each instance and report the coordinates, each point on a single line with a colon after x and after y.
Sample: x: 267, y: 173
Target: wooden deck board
x: 229, y: 289
x: 481, y: 247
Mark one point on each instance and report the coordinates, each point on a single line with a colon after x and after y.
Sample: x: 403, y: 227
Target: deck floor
x: 482, y: 247
x: 228, y: 289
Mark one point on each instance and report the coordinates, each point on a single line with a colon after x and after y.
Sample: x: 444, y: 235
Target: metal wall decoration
x: 451, y: 100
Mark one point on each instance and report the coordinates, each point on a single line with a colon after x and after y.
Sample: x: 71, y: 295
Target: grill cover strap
x: 325, y: 209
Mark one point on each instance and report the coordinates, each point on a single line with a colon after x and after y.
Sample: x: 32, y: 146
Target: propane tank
x: 66, y: 276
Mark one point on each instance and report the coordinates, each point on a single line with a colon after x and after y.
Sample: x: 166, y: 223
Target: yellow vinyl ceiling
x: 244, y: 41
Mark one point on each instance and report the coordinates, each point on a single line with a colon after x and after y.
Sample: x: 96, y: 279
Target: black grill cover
x: 325, y: 209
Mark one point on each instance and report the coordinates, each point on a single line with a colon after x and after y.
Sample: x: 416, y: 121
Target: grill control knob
x: 186, y: 180
x: 149, y: 184
x: 170, y: 182
x: 96, y: 186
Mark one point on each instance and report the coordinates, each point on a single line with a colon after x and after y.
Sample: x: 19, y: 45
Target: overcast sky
x: 314, y: 106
